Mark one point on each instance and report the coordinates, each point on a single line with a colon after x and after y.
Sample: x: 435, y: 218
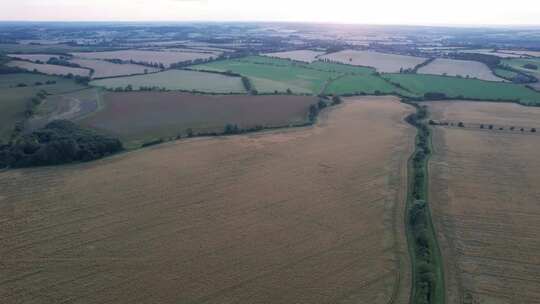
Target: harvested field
x: 484, y: 197
x: 491, y: 52
x: 177, y: 80
x: 386, y: 63
x: 103, y: 69
x: 299, y: 55
x: 164, y: 57
x: 463, y: 68
x: 311, y: 215
x: 34, y: 57
x: 49, y: 69
x: 496, y: 113
x: 137, y: 117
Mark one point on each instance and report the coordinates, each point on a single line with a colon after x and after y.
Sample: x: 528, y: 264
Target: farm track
x: 304, y: 216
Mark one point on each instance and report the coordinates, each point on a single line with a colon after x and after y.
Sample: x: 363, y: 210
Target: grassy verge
x: 427, y: 266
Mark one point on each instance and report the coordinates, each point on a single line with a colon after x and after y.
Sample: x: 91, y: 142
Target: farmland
x: 268, y: 74
x: 385, y: 63
x: 463, y: 68
x: 103, y: 69
x: 14, y: 100
x: 151, y: 57
x: 70, y: 106
x: 519, y: 64
x: 177, y: 80
x: 299, y: 55
x: 310, y: 215
x: 34, y: 57
x: 363, y: 84
x: 137, y: 117
x: 485, y: 203
x: 49, y: 69
x: 460, y: 88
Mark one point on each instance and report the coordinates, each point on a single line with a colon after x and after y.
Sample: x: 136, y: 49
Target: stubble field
x: 49, y: 69
x: 103, y: 69
x: 463, y: 68
x: 164, y: 57
x: 384, y: 63
x: 484, y: 194
x: 177, y: 80
x: 310, y: 215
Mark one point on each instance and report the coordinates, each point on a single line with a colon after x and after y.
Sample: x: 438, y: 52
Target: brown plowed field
x: 486, y: 202
x: 142, y: 116
x: 311, y: 215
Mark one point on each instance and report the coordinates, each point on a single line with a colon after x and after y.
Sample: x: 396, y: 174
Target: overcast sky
x: 460, y: 12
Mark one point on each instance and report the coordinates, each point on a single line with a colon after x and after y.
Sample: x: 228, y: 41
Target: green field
x: 519, y: 63
x: 14, y: 101
x: 462, y: 88
x: 507, y: 74
x: 12, y: 80
x: 363, y: 84
x: 271, y: 74
x: 177, y: 80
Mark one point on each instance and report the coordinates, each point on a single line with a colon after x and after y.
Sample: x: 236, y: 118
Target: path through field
x: 311, y: 215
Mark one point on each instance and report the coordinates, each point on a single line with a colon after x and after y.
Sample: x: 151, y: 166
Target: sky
x: 415, y: 12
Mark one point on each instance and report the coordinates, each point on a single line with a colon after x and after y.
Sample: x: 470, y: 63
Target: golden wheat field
x: 308, y: 215
x: 485, y: 197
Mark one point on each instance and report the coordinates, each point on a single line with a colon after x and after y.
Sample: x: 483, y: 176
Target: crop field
x: 299, y: 55
x: 26, y: 79
x: 505, y: 73
x: 268, y: 74
x: 309, y: 215
x: 14, y: 101
x: 522, y: 53
x: 463, y: 68
x: 462, y: 88
x: 49, y: 69
x: 137, y: 117
x: 34, y: 57
x: 385, y: 63
x: 491, y: 52
x: 164, y: 57
x: 103, y: 69
x: 485, y: 204
x: 362, y: 84
x: 177, y: 80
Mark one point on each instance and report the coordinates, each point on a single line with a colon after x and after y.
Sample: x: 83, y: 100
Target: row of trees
x: 418, y: 218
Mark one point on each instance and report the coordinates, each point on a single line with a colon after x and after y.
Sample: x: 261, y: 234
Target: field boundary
x: 427, y: 284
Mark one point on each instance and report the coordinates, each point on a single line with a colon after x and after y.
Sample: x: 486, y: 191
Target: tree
x: 533, y: 130
x: 461, y: 125
x: 336, y: 100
